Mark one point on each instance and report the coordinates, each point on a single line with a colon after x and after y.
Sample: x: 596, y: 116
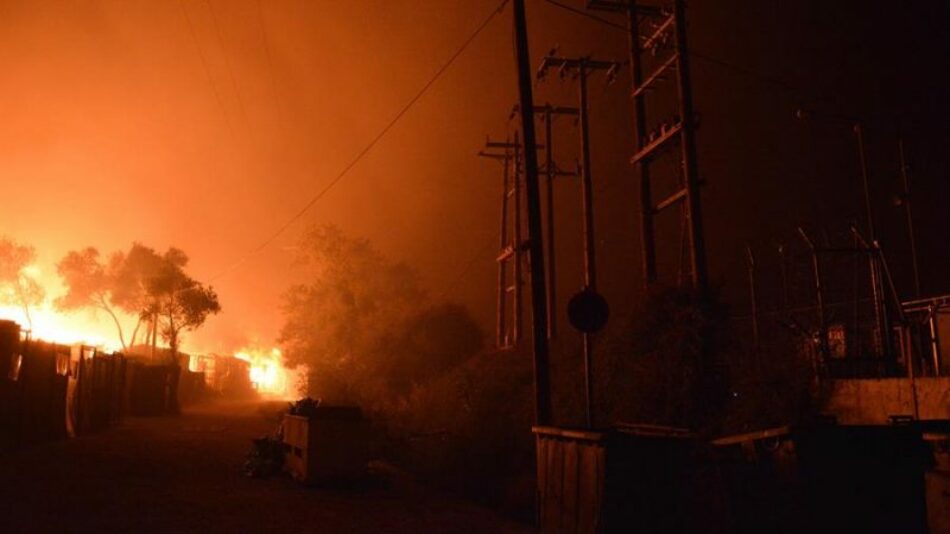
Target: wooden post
x: 542, y: 382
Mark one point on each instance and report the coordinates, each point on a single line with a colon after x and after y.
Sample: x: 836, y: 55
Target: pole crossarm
x: 574, y: 66
x: 580, y: 69
x: 545, y: 110
x: 659, y: 66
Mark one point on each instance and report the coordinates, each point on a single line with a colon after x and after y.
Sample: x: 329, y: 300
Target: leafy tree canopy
x: 152, y: 287
x: 17, y: 285
x: 363, y: 324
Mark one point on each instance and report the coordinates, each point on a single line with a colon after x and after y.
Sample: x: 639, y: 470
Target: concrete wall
x: 874, y: 401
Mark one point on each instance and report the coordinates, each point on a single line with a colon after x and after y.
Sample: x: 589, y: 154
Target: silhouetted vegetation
x: 364, y: 326
x: 17, y: 285
x: 460, y: 415
x: 661, y: 367
x: 453, y: 412
x: 469, y: 430
x: 90, y: 284
x: 154, y: 288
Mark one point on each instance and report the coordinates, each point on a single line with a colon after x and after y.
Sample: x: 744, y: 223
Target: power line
x: 227, y: 61
x: 705, y: 57
x: 754, y: 74
x: 449, y: 288
x: 270, y: 64
x: 369, y: 147
x: 583, y: 13
x: 207, y: 69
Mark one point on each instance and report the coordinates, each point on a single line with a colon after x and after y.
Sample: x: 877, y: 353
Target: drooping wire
x: 453, y: 284
x: 227, y: 61
x: 270, y: 63
x: 369, y: 146
x: 583, y: 13
x: 738, y: 69
x: 206, y: 67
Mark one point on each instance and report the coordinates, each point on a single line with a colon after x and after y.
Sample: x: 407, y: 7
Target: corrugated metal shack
x: 51, y: 391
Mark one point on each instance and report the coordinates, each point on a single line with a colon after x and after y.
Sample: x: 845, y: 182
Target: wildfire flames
x: 268, y: 373
x: 50, y: 324
x: 53, y: 326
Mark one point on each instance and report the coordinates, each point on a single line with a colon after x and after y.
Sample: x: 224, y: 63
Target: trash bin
x: 329, y: 445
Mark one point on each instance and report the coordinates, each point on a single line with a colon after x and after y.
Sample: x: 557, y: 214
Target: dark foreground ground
x: 183, y: 474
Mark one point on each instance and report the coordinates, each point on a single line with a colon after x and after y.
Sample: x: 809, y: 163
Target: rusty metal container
x: 330, y: 445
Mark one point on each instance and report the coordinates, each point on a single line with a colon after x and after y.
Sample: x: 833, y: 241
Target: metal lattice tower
x: 508, y: 329
x: 659, y: 63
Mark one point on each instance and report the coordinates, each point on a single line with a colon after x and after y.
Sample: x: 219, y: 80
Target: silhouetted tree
x: 91, y: 283
x: 152, y: 287
x: 17, y: 285
x: 175, y: 301
x: 361, y: 323
x: 131, y: 278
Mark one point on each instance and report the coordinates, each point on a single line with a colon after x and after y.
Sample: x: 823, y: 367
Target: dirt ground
x: 183, y: 474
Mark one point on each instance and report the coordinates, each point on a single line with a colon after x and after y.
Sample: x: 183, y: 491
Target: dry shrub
x: 470, y: 430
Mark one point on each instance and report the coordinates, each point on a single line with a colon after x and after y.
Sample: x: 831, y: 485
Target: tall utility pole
x: 863, y: 158
x: 548, y: 113
x: 906, y: 201
x: 882, y: 335
x: 659, y: 52
x: 582, y: 68
x: 819, y: 296
x: 507, y: 336
x: 542, y: 380
x: 858, y: 129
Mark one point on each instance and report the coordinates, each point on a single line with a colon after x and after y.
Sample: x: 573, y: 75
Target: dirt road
x: 183, y: 474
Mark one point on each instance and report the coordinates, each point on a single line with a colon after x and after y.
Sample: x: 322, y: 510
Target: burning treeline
x: 138, y: 302
x: 147, y: 296
x: 359, y: 329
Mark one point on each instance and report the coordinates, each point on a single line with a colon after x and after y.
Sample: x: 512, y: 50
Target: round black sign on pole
x: 587, y: 311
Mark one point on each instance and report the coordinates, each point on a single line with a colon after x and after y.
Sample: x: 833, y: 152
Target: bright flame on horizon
x: 50, y: 325
x: 268, y: 373
x: 67, y: 328
x: 58, y: 327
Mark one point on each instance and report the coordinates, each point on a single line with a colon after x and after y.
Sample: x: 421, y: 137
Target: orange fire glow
x: 268, y: 373
x: 50, y: 324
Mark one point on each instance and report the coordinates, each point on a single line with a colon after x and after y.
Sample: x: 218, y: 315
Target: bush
x: 470, y: 430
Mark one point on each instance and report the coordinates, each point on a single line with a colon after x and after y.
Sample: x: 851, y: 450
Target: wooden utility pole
x: 539, y: 338
x: 583, y: 67
x: 501, y: 328
x: 548, y: 113
x: 512, y: 245
x: 658, y: 54
x: 911, y: 235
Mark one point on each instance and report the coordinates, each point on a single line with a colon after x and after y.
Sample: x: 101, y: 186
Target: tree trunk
x: 175, y: 367
x: 118, y: 325
x: 135, y: 331
x: 29, y: 318
x: 154, y: 332
x: 26, y: 306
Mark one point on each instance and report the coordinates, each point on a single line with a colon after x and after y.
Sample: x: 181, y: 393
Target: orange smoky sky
x: 206, y: 125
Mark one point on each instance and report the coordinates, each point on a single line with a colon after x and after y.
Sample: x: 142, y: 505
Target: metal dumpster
x: 332, y: 444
